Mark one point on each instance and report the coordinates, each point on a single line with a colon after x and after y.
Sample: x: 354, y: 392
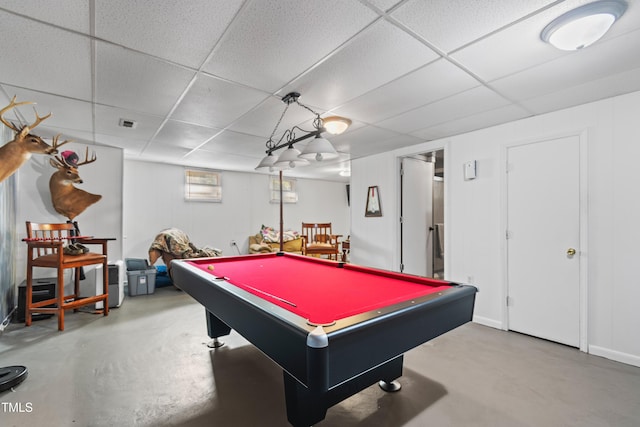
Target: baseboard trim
x: 618, y: 356
x: 485, y: 321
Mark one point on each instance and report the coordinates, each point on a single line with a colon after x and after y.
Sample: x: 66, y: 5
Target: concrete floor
x: 147, y: 364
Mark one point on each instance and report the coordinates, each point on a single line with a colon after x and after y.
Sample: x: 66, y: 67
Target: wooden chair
x: 46, y: 248
x: 320, y: 240
x: 346, y: 248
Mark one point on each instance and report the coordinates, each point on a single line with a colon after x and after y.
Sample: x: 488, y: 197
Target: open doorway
x: 422, y: 214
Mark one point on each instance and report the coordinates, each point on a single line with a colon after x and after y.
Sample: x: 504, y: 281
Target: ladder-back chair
x: 55, y: 246
x: 318, y: 239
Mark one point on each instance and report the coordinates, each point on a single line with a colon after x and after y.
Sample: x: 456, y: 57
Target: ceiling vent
x: 126, y: 123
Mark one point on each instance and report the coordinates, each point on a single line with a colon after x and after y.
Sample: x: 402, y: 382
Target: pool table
x: 333, y: 328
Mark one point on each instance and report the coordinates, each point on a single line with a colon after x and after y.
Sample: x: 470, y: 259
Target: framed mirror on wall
x: 373, y: 202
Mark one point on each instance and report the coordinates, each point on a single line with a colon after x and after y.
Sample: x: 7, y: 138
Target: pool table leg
x: 306, y: 407
x: 216, y: 328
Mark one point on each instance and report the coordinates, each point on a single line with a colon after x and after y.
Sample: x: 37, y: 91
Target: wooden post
x: 281, y: 217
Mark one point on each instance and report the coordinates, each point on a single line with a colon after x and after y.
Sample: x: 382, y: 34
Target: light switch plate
x: 470, y: 170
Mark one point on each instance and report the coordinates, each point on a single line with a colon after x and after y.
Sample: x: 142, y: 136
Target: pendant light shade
x: 319, y: 149
x: 290, y: 159
x: 267, y: 162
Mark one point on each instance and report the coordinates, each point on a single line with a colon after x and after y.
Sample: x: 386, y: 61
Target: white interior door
x: 417, y: 217
x: 543, y: 229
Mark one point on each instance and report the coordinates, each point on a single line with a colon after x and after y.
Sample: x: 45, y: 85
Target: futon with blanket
x: 173, y: 243
x: 268, y: 240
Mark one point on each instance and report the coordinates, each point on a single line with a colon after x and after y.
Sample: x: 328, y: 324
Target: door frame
x: 583, y: 218
x: 429, y: 236
x: 438, y: 146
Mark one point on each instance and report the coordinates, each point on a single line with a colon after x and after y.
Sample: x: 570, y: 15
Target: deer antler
x: 17, y: 151
x: 58, y: 162
x: 38, y: 119
x: 12, y: 105
x: 86, y: 158
x: 55, y: 142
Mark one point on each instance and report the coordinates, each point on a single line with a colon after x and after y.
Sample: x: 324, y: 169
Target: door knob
x: 571, y: 252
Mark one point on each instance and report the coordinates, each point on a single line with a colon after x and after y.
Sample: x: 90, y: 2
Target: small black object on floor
x: 11, y: 376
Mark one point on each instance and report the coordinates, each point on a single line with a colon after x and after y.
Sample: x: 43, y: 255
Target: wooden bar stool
x: 56, y: 246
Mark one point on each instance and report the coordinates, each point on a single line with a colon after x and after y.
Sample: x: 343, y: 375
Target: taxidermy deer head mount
x: 16, y: 152
x: 68, y: 200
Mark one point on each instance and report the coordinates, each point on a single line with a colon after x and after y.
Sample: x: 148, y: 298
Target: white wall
x: 102, y: 219
x: 474, y: 231
x: 154, y: 200
x: 374, y: 239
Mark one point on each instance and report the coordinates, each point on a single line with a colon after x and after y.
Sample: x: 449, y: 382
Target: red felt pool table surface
x: 318, y: 290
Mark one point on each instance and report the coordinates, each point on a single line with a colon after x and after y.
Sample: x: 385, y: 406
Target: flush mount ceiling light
x: 319, y: 148
x: 335, y: 125
x: 583, y: 26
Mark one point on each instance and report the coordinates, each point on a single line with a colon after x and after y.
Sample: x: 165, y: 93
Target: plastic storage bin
x: 141, y: 277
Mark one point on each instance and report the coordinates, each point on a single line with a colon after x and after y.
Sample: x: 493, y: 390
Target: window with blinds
x: 202, y: 186
x: 289, y: 192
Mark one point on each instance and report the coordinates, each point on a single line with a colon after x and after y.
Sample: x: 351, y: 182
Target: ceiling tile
x: 66, y: 113
x: 426, y: 85
x: 384, y: 5
x: 382, y: 47
x: 459, y: 22
x: 108, y: 123
x: 220, y: 161
x: 178, y: 134
x: 594, y: 90
x: 138, y: 82
x: 368, y: 140
x: 183, y: 32
x: 131, y: 146
x: 35, y: 60
x: 214, y: 102
x: 160, y: 153
x: 270, y: 43
x: 262, y: 120
x: 599, y: 60
x: 238, y: 143
x: 467, y: 103
x: 516, y: 48
x: 77, y: 136
x: 72, y: 14
x: 474, y: 122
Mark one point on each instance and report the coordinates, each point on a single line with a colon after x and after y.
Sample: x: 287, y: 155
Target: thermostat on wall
x: 470, y: 170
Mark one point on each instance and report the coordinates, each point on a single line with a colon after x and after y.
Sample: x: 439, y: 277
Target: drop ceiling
x: 203, y: 79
